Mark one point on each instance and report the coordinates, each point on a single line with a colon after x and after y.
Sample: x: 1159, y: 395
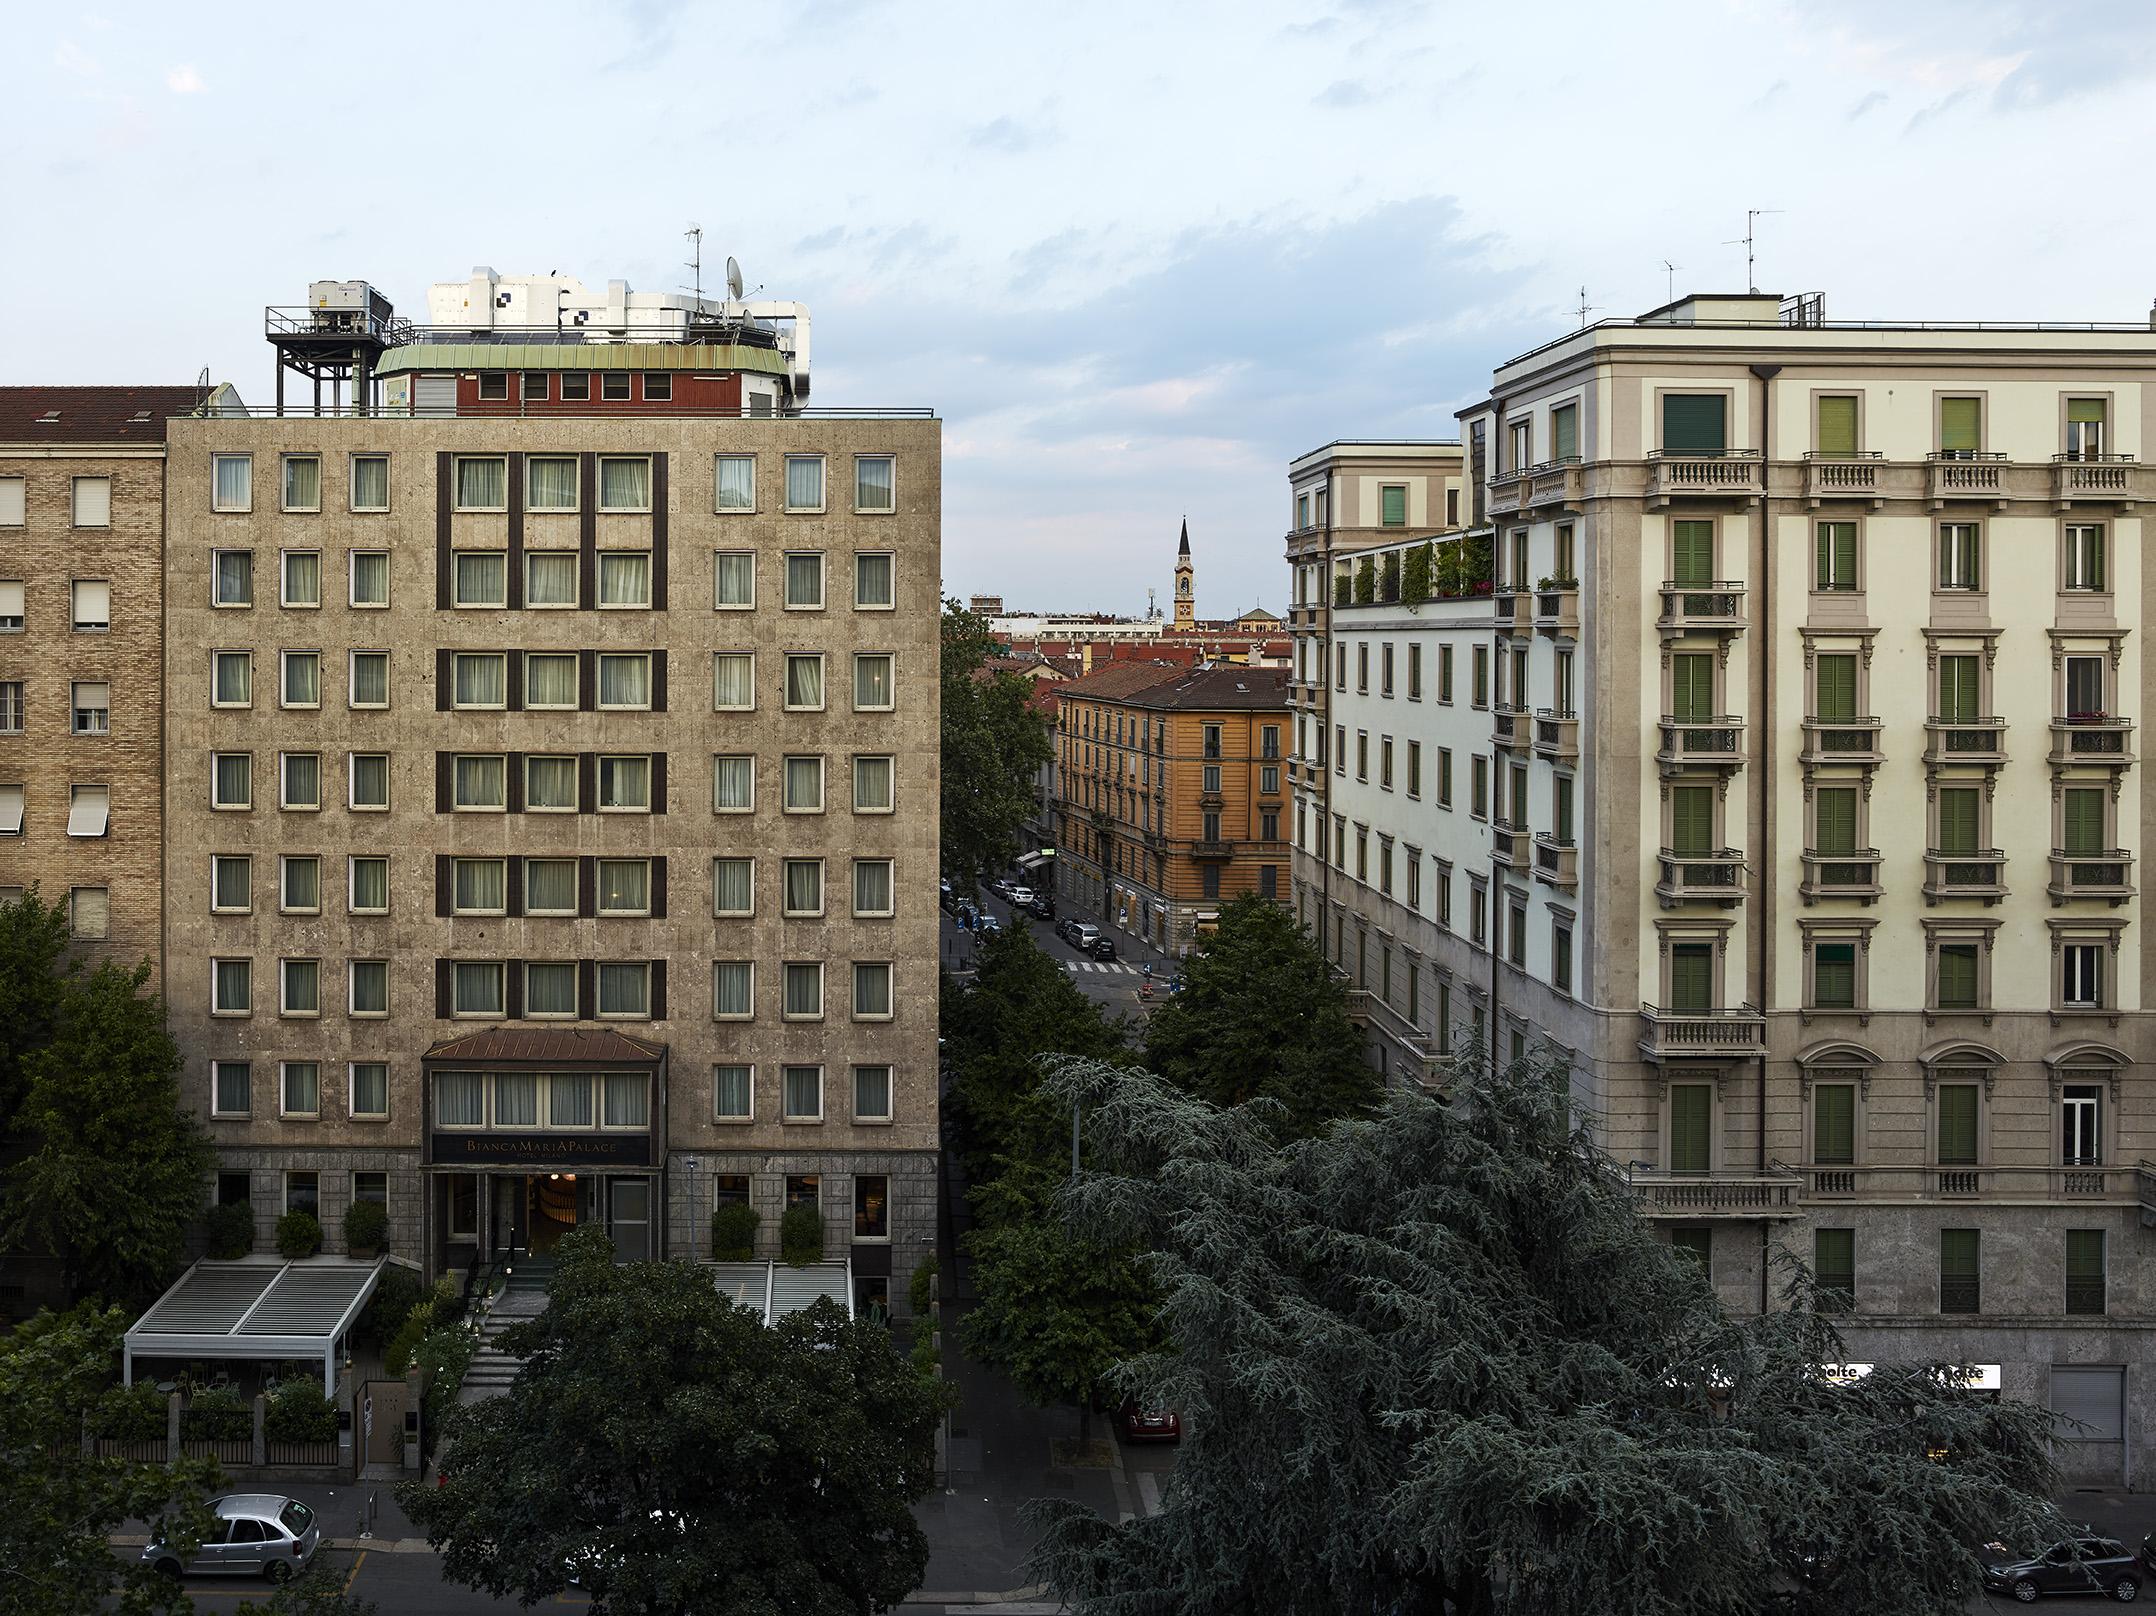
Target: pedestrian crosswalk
x: 1107, y: 967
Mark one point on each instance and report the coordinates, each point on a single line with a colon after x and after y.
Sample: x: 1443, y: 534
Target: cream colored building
x: 1814, y: 809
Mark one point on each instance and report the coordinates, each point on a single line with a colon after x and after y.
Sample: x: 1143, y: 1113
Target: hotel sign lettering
x: 543, y: 1149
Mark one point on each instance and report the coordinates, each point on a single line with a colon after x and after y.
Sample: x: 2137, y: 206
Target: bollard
x: 361, y: 1530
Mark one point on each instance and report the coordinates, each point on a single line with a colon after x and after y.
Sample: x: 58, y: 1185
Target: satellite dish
x: 733, y: 278
x: 202, y: 390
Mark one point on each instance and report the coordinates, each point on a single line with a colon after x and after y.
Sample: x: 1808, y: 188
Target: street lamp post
x: 688, y: 1165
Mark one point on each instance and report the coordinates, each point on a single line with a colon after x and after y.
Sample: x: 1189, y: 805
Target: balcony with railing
x: 1701, y: 743
x: 1843, y: 477
x: 1702, y: 608
x: 1557, y: 606
x: 1707, y: 875
x: 1964, y: 740
x: 1979, y: 874
x: 2107, y: 875
x: 2094, y: 740
x: 1707, y: 1034
x: 1210, y: 848
x: 1553, y: 483
x: 1674, y: 474
x: 1514, y: 603
x: 1557, y: 734
x: 1962, y: 474
x: 2074, y: 1183
x: 1509, y: 842
x: 1738, y: 1193
x: 1841, y: 740
x: 1511, y: 727
x: 1557, y: 863
x: 2102, y: 479
x: 1852, y: 874
x: 1507, y: 491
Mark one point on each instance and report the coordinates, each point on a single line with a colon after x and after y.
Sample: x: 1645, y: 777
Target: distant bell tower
x: 1185, y: 608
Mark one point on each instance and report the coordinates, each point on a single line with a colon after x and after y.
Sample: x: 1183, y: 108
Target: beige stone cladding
x: 672, y: 718
x: 81, y: 703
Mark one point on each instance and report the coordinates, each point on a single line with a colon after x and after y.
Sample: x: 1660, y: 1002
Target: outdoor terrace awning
x: 255, y: 1309
x: 776, y: 1289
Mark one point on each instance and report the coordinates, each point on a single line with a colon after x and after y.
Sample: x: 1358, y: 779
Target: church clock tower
x: 1185, y: 607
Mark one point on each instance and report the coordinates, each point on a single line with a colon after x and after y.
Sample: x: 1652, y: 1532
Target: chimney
x: 2152, y: 316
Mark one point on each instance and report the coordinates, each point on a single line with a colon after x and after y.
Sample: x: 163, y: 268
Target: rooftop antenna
x: 202, y: 388
x: 1672, y: 270
x: 1752, y: 216
x: 694, y: 236
x: 1586, y: 308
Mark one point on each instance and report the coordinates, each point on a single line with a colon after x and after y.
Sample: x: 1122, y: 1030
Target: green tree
x: 1056, y: 1311
x: 993, y: 749
x: 1261, y: 1015
x: 1343, y: 589
x: 114, y: 1173
x: 680, y: 1456
x: 1388, y: 578
x: 1365, y: 581
x: 1436, y: 1361
x: 58, y: 1507
x: 35, y: 972
x: 1415, y: 576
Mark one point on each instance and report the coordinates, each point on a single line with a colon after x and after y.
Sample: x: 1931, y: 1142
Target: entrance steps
x: 492, y: 1370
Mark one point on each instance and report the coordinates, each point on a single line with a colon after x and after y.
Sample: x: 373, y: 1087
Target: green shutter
x: 1692, y: 423
x: 1957, y: 1125
x: 2084, y: 1255
x: 1961, y: 425
x: 1958, y: 1253
x: 1692, y: 684
x: 1393, y: 507
x: 1693, y: 552
x: 1564, y: 808
x: 1834, y: 1124
x: 1836, y: 679
x: 1697, y: 1243
x: 2083, y: 411
x: 1691, y: 817
x: 1834, y: 1258
x: 2084, y: 817
x: 1835, y: 813
x: 1565, y: 432
x: 1691, y: 1109
x: 1834, y: 975
x: 1958, y: 807
x: 1957, y: 977
x: 1958, y: 688
x: 1837, y: 426
x: 1837, y: 564
x: 1691, y: 976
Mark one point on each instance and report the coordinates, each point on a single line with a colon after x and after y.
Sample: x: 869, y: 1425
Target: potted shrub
x: 1343, y: 589
x: 1415, y: 576
x: 801, y: 1236
x: 231, y: 1230
x: 733, y: 1232
x: 1388, y: 578
x: 1365, y: 581
x: 366, y: 1228
x: 298, y: 1235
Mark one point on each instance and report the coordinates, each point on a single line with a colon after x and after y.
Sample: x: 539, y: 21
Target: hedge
x: 299, y: 1234
x: 733, y: 1232
x: 801, y: 1236
x: 231, y: 1230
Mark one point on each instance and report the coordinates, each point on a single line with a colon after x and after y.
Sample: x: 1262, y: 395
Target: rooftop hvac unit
x: 347, y: 306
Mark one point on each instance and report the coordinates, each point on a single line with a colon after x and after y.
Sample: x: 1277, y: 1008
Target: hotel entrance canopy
x: 256, y: 1309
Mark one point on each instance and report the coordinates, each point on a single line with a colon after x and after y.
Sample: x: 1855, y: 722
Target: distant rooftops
x: 1220, y: 687
x: 117, y: 415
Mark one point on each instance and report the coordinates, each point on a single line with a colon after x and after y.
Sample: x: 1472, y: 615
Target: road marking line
x: 354, y: 1577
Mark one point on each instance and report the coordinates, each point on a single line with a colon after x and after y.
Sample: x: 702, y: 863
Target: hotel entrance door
x: 532, y: 1211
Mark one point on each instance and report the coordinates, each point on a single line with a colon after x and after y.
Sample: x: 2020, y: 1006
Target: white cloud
x: 184, y: 80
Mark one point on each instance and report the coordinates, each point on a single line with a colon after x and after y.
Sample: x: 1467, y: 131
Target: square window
x: 803, y: 983
x: 483, y: 481
x: 232, y: 577
x: 625, y: 681
x: 871, y: 1094
x: 369, y: 994
x: 550, y: 483
x: 550, y: 785
x: 872, y: 990
x: 535, y: 386
x: 370, y: 482
x: 624, y: 991
x: 624, y: 886
x: 231, y: 987
x: 803, y: 1093
x: 614, y: 386
x: 89, y: 913
x: 91, y: 499
x: 370, y: 782
x: 625, y: 785
x: 231, y: 1088
x: 804, y: 785
x: 232, y: 779
x: 232, y: 483
x: 550, y: 994
x: 872, y: 789
x: 872, y: 681
x: 624, y: 579
x: 804, y: 681
x: 804, y: 580
x: 475, y: 988
x: 804, y: 482
x: 481, y: 578
x: 367, y: 886
x: 302, y: 483
x: 479, y: 886
x: 873, y: 484
x: 550, y: 886
x: 460, y: 1101
x: 624, y: 484
x: 370, y: 1089
x: 733, y: 887
x: 735, y: 477
x: 733, y: 784
x: 733, y: 580
x: 369, y: 679
x: 872, y: 887
x: 370, y: 579
x: 550, y: 580
x: 550, y: 680
x: 733, y: 990
x: 479, y: 784
x: 872, y: 581
x: 231, y: 884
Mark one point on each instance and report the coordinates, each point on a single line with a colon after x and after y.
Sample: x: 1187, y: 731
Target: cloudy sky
x: 1137, y: 255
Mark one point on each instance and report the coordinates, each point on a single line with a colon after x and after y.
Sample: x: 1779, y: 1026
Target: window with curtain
x: 1834, y: 1121
x: 1957, y: 1143
x: 370, y: 482
x: 2085, y: 556
x: 233, y: 578
x: 516, y: 1100
x: 804, y: 1093
x: 733, y: 579
x: 550, y: 886
x: 1961, y: 426
x: 369, y: 886
x: 1958, y: 980
x: 302, y: 679
x: 460, y: 1100
x: 568, y: 1096
x: 482, y: 578
x: 370, y: 577
x: 872, y: 989
x: 232, y: 986
x: 872, y: 585
x: 302, y: 483
x: 1834, y: 686
x: 624, y: 886
x: 872, y: 785
x: 370, y: 1088
x: 804, y: 784
x: 2081, y: 818
x: 234, y: 776
x: 231, y: 883
x: 733, y: 886
x: 736, y: 481
x: 1960, y: 687
x: 235, y: 682
x: 871, y: 886
x: 481, y: 679
x: 730, y: 1093
x: 872, y: 1093
x: 302, y: 980
x: 625, y: 782
x: 370, y: 780
x: 1694, y: 423
x: 625, y: 578
x: 804, y: 886
x: 732, y: 989
x: 232, y: 483
x: 370, y: 988
x: 480, y: 886
x: 1960, y: 555
x: 1837, y: 428
x: 550, y: 483
x: 804, y: 578
x: 476, y: 988
x: 624, y: 485
x: 1691, y: 1114
x: 733, y: 681
x: 803, y: 989
x: 1834, y: 820
x: 550, y: 578
x: 628, y: 1099
x: 479, y: 782
x: 549, y: 784
x: 871, y: 680
x: 550, y: 990
x: 1836, y: 569
x: 549, y: 679
x: 302, y: 780
x: 625, y: 681
x: 1834, y: 976
x: 873, y: 483
x: 482, y: 484
x: 624, y: 987
x: 1960, y: 808
x: 302, y: 1089
x: 804, y: 482
x: 804, y: 680
x: 370, y: 679
x: 302, y: 876
x: 733, y: 784
x: 303, y: 578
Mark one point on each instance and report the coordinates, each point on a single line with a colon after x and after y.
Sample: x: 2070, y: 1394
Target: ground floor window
x: 464, y: 1206
x: 801, y: 1190
x: 233, y: 1188
x: 303, y: 1193
x: 871, y: 1207
x: 729, y: 1189
x: 371, y: 1187
x: 872, y: 1298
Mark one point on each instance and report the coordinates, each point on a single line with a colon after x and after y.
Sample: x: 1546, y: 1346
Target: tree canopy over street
x: 677, y: 1455
x: 993, y: 747
x: 1435, y: 1361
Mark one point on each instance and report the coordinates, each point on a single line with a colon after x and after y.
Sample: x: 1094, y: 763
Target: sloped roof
x: 1233, y: 687
x: 1119, y: 681
x: 546, y: 1045
x: 91, y: 414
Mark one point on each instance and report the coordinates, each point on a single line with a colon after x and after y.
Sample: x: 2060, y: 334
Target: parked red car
x: 1148, y: 1424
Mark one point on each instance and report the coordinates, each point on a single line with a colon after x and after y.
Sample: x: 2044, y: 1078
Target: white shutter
x: 11, y: 502
x: 93, y: 502
x: 93, y: 603
x: 10, y: 810
x: 11, y: 608
x: 89, y: 811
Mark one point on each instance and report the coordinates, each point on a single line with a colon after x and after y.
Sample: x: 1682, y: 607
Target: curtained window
x: 479, y: 782
x: 872, y: 785
x: 804, y: 578
x: 624, y: 485
x: 302, y: 780
x: 625, y: 681
x: 804, y: 784
x: 871, y: 886
x: 303, y: 577
x: 872, y: 483
x: 550, y: 483
x: 804, y: 681
x: 235, y: 681
x: 480, y: 886
x: 482, y: 484
x: 733, y: 886
x: 550, y: 578
x: 370, y: 482
x: 624, y: 990
x: 733, y: 784
x: 732, y: 989
x: 804, y: 482
x: 481, y: 679
x: 232, y: 483
x: 737, y: 482
x: 302, y: 679
x: 733, y: 574
x: 871, y: 680
x: 370, y: 577
x: 568, y: 1097
x: 549, y: 679
x: 733, y: 681
x: 460, y: 1100
x: 804, y: 886
x: 550, y: 784
x: 872, y: 580
x: 625, y: 782
x: 550, y: 886
x: 625, y: 578
x: 624, y: 886
x: 369, y: 893
x: 550, y: 989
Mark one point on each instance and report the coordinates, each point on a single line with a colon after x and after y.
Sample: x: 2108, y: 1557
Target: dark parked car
x: 1067, y: 928
x: 1139, y: 1424
x: 1042, y: 907
x: 2083, y: 1565
x: 1101, y: 948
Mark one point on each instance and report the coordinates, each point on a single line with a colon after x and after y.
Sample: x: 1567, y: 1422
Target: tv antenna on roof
x: 1672, y: 270
x: 1752, y: 216
x: 694, y: 236
x: 202, y: 390
x: 1586, y: 308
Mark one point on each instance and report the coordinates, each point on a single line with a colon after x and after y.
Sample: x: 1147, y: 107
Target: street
x: 1114, y: 984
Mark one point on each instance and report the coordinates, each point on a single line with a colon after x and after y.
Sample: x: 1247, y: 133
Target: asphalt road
x: 1115, y: 985
x: 409, y: 1584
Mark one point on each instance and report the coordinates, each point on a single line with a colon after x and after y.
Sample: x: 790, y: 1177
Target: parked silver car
x: 259, y: 1532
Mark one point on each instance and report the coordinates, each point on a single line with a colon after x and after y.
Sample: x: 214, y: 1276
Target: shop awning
x: 254, y: 1309
x: 776, y: 1289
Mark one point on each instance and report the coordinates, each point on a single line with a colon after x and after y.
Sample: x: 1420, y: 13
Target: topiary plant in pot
x: 366, y: 1228
x: 801, y: 1236
x: 298, y: 1235
x: 733, y: 1232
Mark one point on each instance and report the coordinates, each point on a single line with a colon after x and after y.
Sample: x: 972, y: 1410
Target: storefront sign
x: 542, y: 1149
